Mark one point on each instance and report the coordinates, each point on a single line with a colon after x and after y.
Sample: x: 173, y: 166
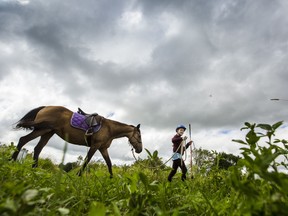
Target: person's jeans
x: 175, y: 165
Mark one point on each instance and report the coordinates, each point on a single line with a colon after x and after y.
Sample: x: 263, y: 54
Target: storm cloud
x: 214, y: 64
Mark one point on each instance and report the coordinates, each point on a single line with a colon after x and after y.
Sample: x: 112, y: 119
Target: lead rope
x: 159, y: 165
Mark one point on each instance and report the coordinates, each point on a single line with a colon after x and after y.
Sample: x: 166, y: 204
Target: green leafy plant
x: 253, y: 184
x: 258, y: 176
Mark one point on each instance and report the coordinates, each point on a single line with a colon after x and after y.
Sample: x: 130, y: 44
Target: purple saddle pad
x: 78, y: 121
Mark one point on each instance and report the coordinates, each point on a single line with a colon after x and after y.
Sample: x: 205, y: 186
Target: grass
x: 139, y: 190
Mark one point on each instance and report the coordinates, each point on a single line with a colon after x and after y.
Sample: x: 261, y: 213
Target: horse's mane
x: 119, y: 123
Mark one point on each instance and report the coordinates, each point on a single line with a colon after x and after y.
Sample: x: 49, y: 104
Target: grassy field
x: 252, y: 187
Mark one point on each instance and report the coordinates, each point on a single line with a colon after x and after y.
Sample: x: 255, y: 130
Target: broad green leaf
x: 246, y: 149
x: 8, y: 205
x: 261, y: 134
x: 29, y: 195
x: 143, y: 178
x: 97, y: 209
x: 244, y: 128
x: 116, y: 211
x: 276, y: 125
x: 247, y: 124
x: 239, y: 141
x: 252, y: 138
x: 155, y: 154
x: 265, y: 127
x: 63, y: 211
x: 148, y: 152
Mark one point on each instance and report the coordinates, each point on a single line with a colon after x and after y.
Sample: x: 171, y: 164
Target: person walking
x: 178, y: 151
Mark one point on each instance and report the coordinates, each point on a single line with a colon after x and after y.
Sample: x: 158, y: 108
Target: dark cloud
x: 215, y: 63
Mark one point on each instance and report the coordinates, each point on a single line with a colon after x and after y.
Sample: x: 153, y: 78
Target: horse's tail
x: 27, y: 121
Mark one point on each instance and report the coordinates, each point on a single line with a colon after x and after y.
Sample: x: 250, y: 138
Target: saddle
x: 91, y: 123
x: 90, y: 119
x: 94, y: 121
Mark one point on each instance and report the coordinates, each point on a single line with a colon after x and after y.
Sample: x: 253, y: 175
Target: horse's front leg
x: 106, y: 157
x: 90, y: 154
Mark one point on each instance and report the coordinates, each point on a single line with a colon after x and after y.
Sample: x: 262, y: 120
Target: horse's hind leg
x: 38, y: 148
x: 25, y: 139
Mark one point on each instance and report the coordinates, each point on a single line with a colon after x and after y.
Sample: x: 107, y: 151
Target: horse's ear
x: 138, y: 126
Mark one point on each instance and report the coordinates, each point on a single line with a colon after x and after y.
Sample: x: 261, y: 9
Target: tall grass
x: 138, y: 190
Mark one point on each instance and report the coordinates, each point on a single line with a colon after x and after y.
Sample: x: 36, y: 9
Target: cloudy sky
x: 214, y: 64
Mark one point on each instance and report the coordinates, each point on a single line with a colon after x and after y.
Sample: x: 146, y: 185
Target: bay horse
x: 45, y: 121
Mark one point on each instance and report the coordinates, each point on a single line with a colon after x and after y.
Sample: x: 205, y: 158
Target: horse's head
x: 135, y: 140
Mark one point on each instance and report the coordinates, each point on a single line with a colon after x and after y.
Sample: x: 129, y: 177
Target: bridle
x: 135, y: 138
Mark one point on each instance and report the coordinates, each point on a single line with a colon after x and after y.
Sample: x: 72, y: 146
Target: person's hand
x: 189, y: 143
x: 185, y: 137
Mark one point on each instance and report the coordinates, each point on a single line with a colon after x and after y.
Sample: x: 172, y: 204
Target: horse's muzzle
x: 138, y: 150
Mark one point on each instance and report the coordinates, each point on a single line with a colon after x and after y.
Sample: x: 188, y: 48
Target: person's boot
x: 183, y: 177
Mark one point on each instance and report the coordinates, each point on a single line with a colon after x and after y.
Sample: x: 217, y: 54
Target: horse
x: 45, y: 121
